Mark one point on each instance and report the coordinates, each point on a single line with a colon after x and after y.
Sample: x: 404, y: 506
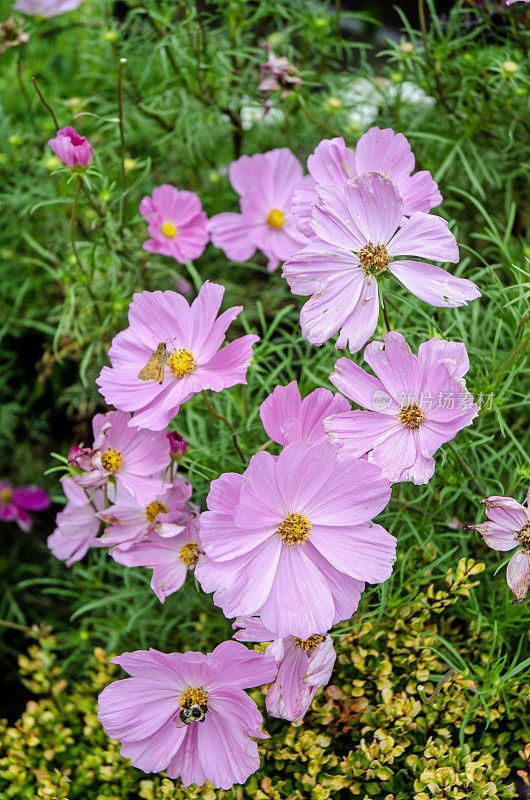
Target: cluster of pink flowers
x: 16, y: 502
x: 288, y: 546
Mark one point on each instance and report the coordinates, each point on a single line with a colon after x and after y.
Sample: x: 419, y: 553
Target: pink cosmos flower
x: 130, y: 521
x: 291, y: 540
x: 193, y: 362
x: 46, y: 8
x: 130, y: 457
x: 359, y: 234
x: 303, y: 667
x: 510, y: 2
x: 266, y: 183
x: 187, y: 713
x: 77, y: 524
x: 416, y: 405
x: 170, y: 554
x: 287, y: 418
x: 15, y: 503
x: 177, y: 223
x: 73, y: 150
x: 509, y: 528
x: 378, y: 150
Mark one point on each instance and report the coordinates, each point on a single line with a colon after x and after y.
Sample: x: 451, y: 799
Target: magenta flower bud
x: 73, y: 150
x: 178, y: 446
x: 73, y: 455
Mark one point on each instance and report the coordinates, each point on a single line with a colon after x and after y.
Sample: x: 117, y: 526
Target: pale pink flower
x: 360, y: 235
x: 187, y: 713
x: 170, y: 553
x: 130, y: 521
x: 303, y: 667
x: 287, y: 418
x: 127, y: 456
x: 417, y: 403
x: 509, y: 527
x: 266, y: 183
x: 46, y: 8
x: 276, y: 74
x: 177, y: 223
x: 193, y: 336
x: 77, y: 524
x: 73, y: 150
x: 511, y: 2
x: 378, y: 150
x: 291, y: 540
x: 16, y: 502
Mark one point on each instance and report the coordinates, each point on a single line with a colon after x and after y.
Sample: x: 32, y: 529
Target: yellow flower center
x: 374, y: 258
x: 6, y: 495
x: 309, y: 644
x: 524, y: 536
x: 276, y: 218
x: 295, y: 529
x: 193, y: 696
x: 411, y: 416
x: 189, y: 553
x: 181, y: 363
x: 154, y: 509
x: 169, y: 230
x: 112, y: 460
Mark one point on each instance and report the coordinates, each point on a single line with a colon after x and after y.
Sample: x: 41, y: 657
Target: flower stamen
x: 276, y: 218
x: 6, y: 496
x: 524, y: 537
x: 181, y: 363
x: 169, y: 230
x: 189, y: 553
x: 154, y: 509
x: 308, y: 645
x: 411, y: 416
x: 194, y: 705
x: 374, y: 258
x: 295, y: 529
x: 111, y: 460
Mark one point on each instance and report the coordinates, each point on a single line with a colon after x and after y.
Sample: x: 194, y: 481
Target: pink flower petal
x: 433, y: 284
x: 426, y: 236
x: 518, y: 575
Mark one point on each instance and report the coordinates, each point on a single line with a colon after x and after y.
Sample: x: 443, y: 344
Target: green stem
x: 226, y: 422
x: 509, y: 360
x: 74, y: 248
x: 45, y: 103
x: 122, y: 63
x: 467, y: 468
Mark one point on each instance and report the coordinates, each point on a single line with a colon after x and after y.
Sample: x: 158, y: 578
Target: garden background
x: 167, y: 92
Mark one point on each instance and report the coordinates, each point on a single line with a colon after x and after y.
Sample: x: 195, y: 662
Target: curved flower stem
x: 74, y: 248
x: 432, y: 64
x: 45, y: 103
x: 226, y: 422
x: 438, y: 688
x: 509, y: 360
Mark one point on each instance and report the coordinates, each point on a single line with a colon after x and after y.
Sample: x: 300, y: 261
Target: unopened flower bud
x: 509, y: 67
x: 73, y: 150
x: 334, y: 103
x: 407, y: 48
x: 178, y: 446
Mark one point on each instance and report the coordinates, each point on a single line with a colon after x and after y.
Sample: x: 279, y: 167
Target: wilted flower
x: 46, y: 8
x: 73, y: 150
x: 12, y: 34
x: 187, y: 713
x: 130, y: 521
x: 287, y: 418
x: 16, y: 502
x: 266, y: 183
x: 130, y: 457
x: 291, y: 540
x: 360, y: 230
x: 416, y: 404
x: 193, y: 363
x: 333, y: 163
x: 509, y: 528
x: 276, y: 74
x: 170, y: 553
x: 176, y: 222
x: 303, y: 666
x: 77, y: 524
